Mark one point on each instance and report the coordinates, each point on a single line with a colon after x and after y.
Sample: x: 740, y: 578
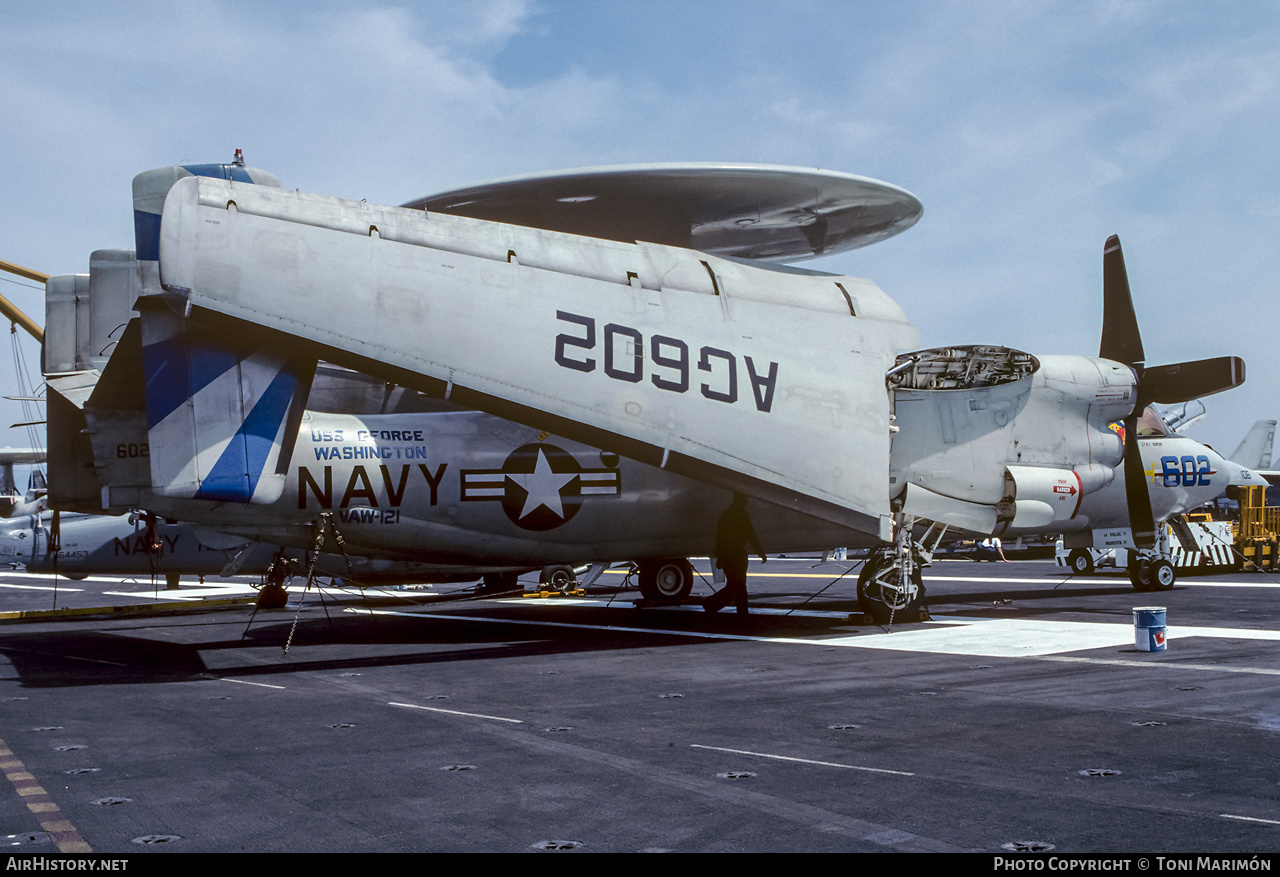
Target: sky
x: 1030, y: 131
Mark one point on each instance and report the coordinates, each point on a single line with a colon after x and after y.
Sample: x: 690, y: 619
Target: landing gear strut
x: 272, y: 594
x: 891, y: 586
x: 1151, y: 570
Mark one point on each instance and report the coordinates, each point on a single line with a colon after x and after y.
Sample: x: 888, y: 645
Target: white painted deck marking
x: 51, y: 577
x: 978, y: 637
x: 189, y: 592
x: 1177, y: 665
x: 246, y: 682
x: 1016, y: 637
x: 1249, y: 818
x: 40, y: 588
x: 901, y: 773
x: 995, y: 637
x: 434, y: 709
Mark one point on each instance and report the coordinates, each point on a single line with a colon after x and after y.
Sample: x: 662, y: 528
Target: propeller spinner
x: 1165, y: 384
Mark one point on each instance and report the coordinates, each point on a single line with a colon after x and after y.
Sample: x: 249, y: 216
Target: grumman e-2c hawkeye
x: 716, y: 370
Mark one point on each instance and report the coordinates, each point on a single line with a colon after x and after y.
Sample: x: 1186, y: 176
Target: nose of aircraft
x: 1242, y: 476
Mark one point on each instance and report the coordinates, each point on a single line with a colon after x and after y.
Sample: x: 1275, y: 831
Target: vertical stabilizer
x: 1255, y: 450
x: 222, y: 419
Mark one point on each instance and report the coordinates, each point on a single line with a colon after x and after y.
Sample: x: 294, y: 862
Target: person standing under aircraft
x: 734, y: 535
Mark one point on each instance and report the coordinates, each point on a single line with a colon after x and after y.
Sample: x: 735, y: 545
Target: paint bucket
x: 1149, y: 628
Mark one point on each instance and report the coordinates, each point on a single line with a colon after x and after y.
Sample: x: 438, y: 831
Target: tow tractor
x: 1190, y: 543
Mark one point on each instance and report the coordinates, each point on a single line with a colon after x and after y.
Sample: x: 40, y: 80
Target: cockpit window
x: 1151, y: 423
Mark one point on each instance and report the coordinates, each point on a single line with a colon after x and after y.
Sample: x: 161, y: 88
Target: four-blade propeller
x: 1165, y: 384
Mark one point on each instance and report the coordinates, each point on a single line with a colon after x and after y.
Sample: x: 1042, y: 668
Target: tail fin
x: 221, y: 420
x: 151, y: 187
x: 1255, y: 449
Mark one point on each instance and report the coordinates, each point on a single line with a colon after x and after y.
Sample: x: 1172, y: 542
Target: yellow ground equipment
x: 1255, y: 532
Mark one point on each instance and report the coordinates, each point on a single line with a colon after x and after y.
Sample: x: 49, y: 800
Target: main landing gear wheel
x: 883, y: 600
x: 669, y: 579
x: 1081, y: 562
x: 272, y: 596
x: 558, y: 578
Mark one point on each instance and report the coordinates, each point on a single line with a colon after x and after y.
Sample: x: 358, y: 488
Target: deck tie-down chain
x: 323, y: 524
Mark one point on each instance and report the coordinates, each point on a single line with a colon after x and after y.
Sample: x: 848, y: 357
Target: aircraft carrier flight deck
x: 1019, y: 717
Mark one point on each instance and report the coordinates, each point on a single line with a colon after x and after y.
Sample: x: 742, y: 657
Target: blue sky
x: 1030, y: 131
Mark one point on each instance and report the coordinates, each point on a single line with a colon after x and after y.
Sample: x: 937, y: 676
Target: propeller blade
x: 1141, y: 519
x: 1183, y: 381
x: 1121, y: 341
x: 1166, y: 384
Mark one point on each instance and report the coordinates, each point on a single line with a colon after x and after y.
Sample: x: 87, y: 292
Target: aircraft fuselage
x: 467, y: 488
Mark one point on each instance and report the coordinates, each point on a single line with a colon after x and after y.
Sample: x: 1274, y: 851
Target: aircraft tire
x: 1081, y: 562
x: 666, y: 579
x: 272, y: 596
x: 558, y: 578
x: 1162, y: 576
x: 886, y: 604
x: 1139, y: 574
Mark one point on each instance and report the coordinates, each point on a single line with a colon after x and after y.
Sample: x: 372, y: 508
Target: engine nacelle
x: 1025, y: 437
x: 1037, y: 497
